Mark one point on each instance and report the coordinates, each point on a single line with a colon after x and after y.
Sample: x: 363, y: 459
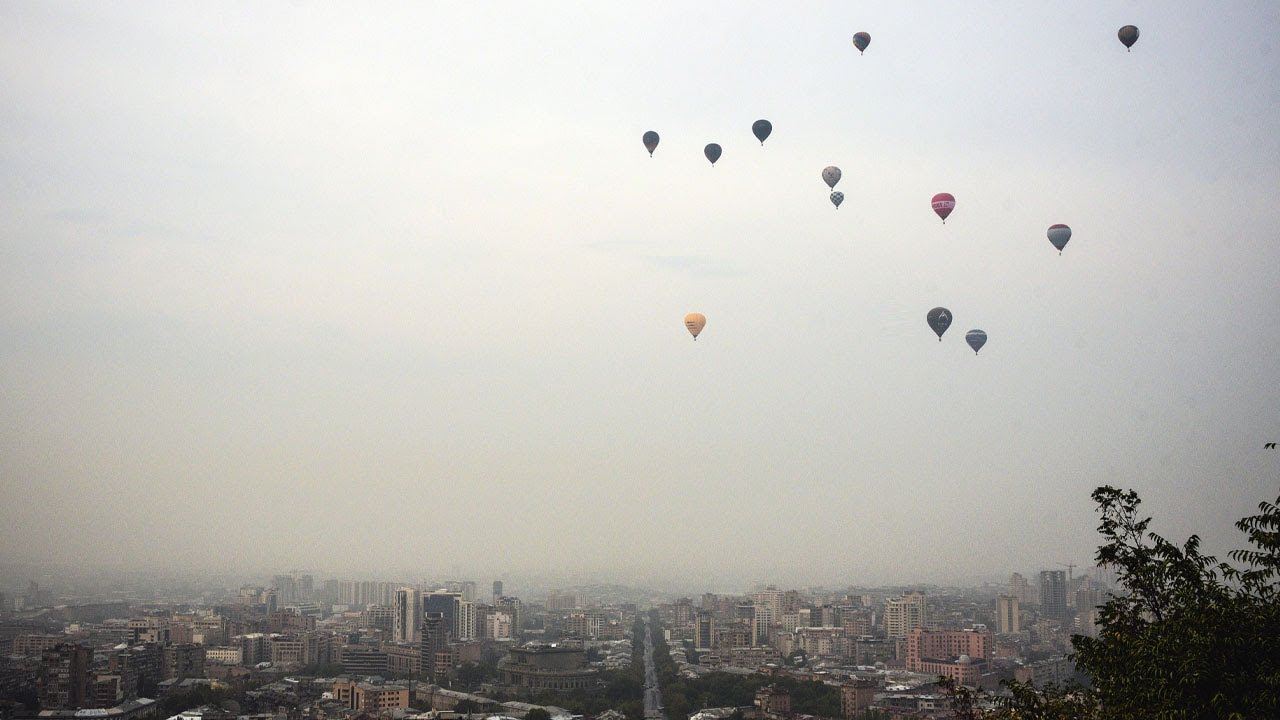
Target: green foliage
x: 1194, y: 637
x: 178, y: 701
x: 471, y: 675
x: 326, y: 670
x: 1190, y: 638
x: 537, y: 714
x: 1025, y: 702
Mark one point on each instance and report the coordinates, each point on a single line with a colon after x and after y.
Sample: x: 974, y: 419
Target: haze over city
x: 397, y: 291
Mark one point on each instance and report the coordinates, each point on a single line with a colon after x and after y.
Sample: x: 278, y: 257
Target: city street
x: 653, y: 709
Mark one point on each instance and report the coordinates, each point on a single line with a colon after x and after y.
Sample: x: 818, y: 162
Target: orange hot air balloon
x: 695, y: 322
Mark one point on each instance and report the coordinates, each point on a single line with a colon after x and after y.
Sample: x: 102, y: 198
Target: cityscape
x: 301, y: 645
x: 579, y: 360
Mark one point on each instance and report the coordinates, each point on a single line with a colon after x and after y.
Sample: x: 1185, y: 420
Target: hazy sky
x: 398, y: 289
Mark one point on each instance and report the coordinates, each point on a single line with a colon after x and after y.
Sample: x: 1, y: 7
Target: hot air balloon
x: 761, y: 129
x: 943, y: 204
x: 1128, y: 35
x: 976, y: 339
x: 1059, y: 235
x: 939, y: 319
x: 831, y: 176
x: 837, y: 197
x: 695, y: 322
x: 712, y: 152
x: 650, y: 140
x: 861, y: 40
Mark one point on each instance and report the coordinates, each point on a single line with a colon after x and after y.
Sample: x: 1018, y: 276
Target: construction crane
x: 1071, y: 569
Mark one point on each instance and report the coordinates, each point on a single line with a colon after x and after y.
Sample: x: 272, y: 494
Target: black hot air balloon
x: 1128, y: 35
x: 939, y: 319
x: 761, y: 129
x: 650, y: 140
x: 976, y: 339
x: 712, y: 151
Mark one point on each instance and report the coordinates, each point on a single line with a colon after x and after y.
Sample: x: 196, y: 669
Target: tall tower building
x: 1008, y: 615
x: 1053, y: 594
x: 1020, y: 588
x: 497, y: 591
x: 447, y: 604
x: 703, y: 630
x: 904, y: 614
x: 286, y: 589
x: 466, y: 622
x: 408, y: 609
x: 435, y: 638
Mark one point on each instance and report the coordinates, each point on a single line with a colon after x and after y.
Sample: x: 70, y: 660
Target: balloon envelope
x: 712, y: 152
x: 1059, y: 235
x: 943, y: 204
x: 939, y: 319
x: 650, y: 140
x: 976, y: 339
x: 761, y: 129
x: 831, y: 176
x: 694, y: 322
x: 1128, y: 35
x: 861, y: 40
x: 837, y: 197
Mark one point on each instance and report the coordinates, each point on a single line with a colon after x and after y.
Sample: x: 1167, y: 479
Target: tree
x: 1193, y: 637
x: 537, y: 714
x: 1190, y: 636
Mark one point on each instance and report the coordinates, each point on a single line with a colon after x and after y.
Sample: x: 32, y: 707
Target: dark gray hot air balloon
x: 712, y: 151
x: 650, y: 140
x: 976, y: 339
x: 861, y: 40
x: 1128, y: 35
x: 831, y: 176
x: 837, y: 197
x: 939, y: 319
x: 1059, y: 235
x: 761, y: 129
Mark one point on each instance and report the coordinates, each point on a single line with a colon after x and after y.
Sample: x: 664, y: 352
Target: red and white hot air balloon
x: 943, y: 204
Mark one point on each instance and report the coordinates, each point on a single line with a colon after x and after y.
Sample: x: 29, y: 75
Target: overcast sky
x: 397, y: 291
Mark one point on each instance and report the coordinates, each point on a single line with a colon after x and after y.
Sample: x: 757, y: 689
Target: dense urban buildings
x: 380, y: 640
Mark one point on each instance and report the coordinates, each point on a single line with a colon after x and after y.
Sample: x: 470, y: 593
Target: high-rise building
x: 1008, y: 615
x: 904, y: 614
x: 286, y: 589
x: 1053, y: 594
x: 408, y: 609
x: 465, y: 625
x: 512, y: 606
x: 762, y: 618
x: 66, y: 677
x: 497, y: 591
x: 447, y: 604
x: 306, y: 588
x: 703, y: 630
x: 1020, y: 588
x: 435, y: 638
